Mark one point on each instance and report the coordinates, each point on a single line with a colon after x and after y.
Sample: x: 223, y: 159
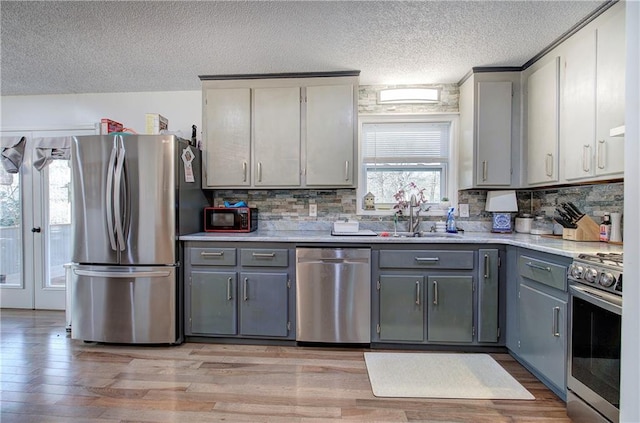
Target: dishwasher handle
x: 332, y: 260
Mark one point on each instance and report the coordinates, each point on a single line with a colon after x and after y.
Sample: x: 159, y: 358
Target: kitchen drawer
x: 264, y: 257
x: 425, y: 259
x: 213, y: 256
x: 551, y: 274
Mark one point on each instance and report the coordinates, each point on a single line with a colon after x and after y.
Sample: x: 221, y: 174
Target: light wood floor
x: 47, y: 377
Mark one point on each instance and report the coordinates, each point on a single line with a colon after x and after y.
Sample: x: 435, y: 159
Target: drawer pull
x: 215, y: 254
x: 427, y: 259
x: 264, y: 255
x: 417, y: 292
x: 229, y: 289
x: 556, y: 321
x: 435, y: 292
x: 536, y: 266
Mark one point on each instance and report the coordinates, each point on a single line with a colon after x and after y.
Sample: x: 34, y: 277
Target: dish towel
x: 12, y: 153
x: 51, y: 148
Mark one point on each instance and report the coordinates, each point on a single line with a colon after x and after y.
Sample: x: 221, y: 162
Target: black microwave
x: 230, y: 219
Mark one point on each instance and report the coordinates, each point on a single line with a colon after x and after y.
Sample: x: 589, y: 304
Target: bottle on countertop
x: 451, y: 222
x: 605, y: 228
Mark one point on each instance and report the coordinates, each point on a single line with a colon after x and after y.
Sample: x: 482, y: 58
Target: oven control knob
x: 591, y: 275
x: 576, y: 271
x: 607, y: 279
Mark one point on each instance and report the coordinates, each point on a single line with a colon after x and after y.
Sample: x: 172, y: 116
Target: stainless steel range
x: 593, y: 380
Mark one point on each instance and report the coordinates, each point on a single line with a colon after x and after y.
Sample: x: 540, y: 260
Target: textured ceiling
x: 53, y: 47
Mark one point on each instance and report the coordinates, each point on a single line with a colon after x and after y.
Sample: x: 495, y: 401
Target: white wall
x: 181, y: 108
x: 630, y: 372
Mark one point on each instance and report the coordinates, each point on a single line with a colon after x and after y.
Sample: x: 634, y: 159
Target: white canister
x: 616, y: 229
x: 523, y: 224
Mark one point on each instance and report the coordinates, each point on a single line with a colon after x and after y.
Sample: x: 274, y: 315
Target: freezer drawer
x: 131, y: 305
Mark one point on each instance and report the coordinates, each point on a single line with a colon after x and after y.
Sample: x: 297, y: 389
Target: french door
x: 35, y: 228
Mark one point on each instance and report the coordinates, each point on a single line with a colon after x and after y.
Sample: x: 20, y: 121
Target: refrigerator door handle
x: 109, y: 199
x: 107, y: 274
x: 117, y: 193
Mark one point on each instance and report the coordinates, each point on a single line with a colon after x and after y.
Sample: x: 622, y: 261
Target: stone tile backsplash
x: 289, y: 209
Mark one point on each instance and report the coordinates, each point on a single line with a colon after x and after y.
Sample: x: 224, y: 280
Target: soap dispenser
x: 451, y: 222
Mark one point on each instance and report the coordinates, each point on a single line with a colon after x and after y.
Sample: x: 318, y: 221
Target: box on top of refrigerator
x: 156, y: 123
x: 107, y: 126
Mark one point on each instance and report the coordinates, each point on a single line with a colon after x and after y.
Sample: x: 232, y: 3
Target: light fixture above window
x: 408, y: 95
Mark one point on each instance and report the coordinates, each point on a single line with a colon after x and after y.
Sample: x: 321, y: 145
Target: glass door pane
x: 10, y: 230
x: 59, y: 235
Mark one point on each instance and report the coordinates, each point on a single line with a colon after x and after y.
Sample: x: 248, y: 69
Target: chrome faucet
x: 414, y: 223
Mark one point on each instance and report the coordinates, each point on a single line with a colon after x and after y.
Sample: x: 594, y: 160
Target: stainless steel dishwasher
x: 333, y: 295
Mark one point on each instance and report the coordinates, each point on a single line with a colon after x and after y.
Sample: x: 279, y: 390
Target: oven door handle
x: 607, y: 301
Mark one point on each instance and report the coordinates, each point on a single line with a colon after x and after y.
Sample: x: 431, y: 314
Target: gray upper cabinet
x: 227, y: 155
x: 593, y: 100
x: 280, y: 132
x: 330, y: 131
x: 487, y: 130
x: 543, y: 98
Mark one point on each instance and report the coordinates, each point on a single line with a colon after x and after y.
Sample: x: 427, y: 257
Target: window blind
x: 410, y: 142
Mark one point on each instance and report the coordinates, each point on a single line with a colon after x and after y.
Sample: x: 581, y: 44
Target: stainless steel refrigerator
x: 132, y: 197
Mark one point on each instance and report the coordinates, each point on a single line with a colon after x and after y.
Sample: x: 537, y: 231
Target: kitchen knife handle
x: 601, y: 154
x: 548, y: 165
x: 484, y: 170
x: 245, y: 294
x: 244, y: 171
x: 556, y: 322
x: 417, y: 292
x: 435, y: 292
x: 486, y: 266
x: 229, y: 297
x: 586, y: 167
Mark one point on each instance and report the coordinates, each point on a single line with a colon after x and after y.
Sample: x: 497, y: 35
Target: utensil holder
x: 587, y: 230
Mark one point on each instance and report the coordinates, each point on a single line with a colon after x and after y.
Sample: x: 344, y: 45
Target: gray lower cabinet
x: 213, y: 303
x: 263, y: 304
x: 237, y: 291
x: 543, y: 337
x: 450, y: 308
x: 436, y: 296
x: 401, y: 308
x: 538, y: 315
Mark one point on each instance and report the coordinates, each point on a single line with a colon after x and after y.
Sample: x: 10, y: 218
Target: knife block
x: 587, y: 230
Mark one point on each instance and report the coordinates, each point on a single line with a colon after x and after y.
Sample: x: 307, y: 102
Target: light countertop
x: 541, y: 243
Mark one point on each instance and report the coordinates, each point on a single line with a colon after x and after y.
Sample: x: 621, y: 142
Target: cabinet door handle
x: 244, y: 171
x: 346, y: 170
x: 427, y: 259
x: 602, y: 149
x: 229, y: 297
x: 245, y: 294
x: 259, y: 171
x: 536, y: 266
x: 213, y: 254
x: 556, y: 321
x: 435, y: 292
x: 484, y: 170
x: 417, y: 292
x: 263, y: 255
x: 486, y: 266
x: 586, y: 166
x: 548, y: 165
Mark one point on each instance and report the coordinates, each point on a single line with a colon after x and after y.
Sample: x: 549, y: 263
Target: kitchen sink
x: 422, y: 234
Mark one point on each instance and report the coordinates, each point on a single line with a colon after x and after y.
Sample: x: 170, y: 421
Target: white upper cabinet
x: 276, y: 136
x: 485, y: 153
x: 227, y: 155
x: 542, y: 124
x: 280, y: 132
x: 593, y: 100
x: 331, y: 122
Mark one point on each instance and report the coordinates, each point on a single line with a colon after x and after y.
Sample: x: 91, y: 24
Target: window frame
x: 451, y: 167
